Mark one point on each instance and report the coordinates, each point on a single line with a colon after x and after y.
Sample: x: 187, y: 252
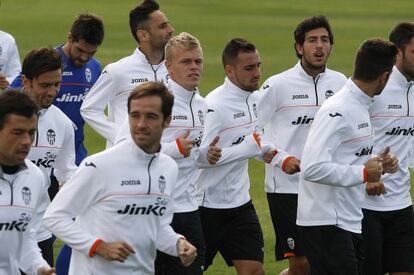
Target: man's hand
x: 114, y: 251
x: 292, y: 166
x: 185, y: 144
x: 268, y: 156
x: 375, y: 188
x: 373, y: 168
x: 3, y: 82
x: 46, y: 271
x: 214, y: 152
x: 186, y: 251
x: 389, y: 161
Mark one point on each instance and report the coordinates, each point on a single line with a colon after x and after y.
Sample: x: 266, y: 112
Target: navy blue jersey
x: 76, y: 82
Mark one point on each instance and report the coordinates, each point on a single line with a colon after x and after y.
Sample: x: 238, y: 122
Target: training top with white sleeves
x: 112, y: 90
x: 340, y: 141
x: 121, y: 193
x: 287, y: 107
x: 393, y: 122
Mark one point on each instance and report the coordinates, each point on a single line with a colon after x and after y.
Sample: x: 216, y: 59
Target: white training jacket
x: 232, y: 116
x: 393, y: 122
x: 112, y: 90
x: 340, y: 141
x: 188, y: 114
x: 119, y: 194
x: 22, y: 206
x: 53, y: 148
x: 287, y: 107
x: 10, y: 65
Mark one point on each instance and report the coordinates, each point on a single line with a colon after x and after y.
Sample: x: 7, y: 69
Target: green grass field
x: 267, y: 23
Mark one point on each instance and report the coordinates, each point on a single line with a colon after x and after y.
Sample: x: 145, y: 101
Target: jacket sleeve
x: 247, y: 149
x: 13, y: 65
x: 167, y: 239
x: 93, y: 107
x: 325, y: 136
x: 64, y: 166
x: 265, y: 111
x: 76, y: 196
x: 31, y: 258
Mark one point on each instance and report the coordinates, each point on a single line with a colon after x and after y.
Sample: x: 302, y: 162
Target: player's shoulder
x: 6, y: 37
x: 335, y: 74
x: 58, y: 115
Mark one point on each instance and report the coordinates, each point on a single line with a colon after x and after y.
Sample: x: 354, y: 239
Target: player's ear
x: 167, y: 122
x: 25, y: 83
x: 69, y: 37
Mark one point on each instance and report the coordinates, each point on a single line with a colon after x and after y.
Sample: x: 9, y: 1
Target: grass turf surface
x: 269, y: 24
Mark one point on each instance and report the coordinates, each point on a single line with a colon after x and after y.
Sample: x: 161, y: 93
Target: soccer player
x: 388, y: 223
x: 286, y: 109
x: 229, y: 219
x: 22, y: 188
x: 337, y: 166
x: 184, y: 62
x: 54, y: 143
x: 152, y: 30
x: 123, y: 217
x: 9, y: 59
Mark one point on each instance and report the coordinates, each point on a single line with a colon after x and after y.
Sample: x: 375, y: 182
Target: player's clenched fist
x: 186, y: 251
x: 214, y: 152
x: 373, y: 169
x: 114, y: 251
x: 375, y: 188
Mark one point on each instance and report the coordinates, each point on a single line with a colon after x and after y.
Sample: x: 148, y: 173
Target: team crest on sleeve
x: 162, y: 183
x: 291, y: 243
x: 255, y: 109
x: 26, y: 195
x: 88, y: 75
x: 201, y: 117
x: 51, y: 136
x: 328, y: 94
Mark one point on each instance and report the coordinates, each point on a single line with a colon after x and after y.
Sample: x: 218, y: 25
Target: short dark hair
x: 17, y: 103
x: 138, y: 17
x: 88, y: 27
x: 39, y: 61
x: 402, y: 34
x: 309, y: 24
x: 154, y: 89
x: 374, y: 57
x: 233, y: 48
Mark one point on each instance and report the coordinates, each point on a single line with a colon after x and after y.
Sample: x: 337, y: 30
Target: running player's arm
x: 266, y: 109
x: 167, y: 239
x: 95, y: 102
x: 64, y: 165
x: 13, y: 66
x: 248, y: 148
x: 78, y: 194
x: 318, y: 165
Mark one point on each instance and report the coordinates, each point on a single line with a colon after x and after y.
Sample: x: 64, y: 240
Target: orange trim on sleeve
x: 94, y: 246
x: 284, y: 163
x: 256, y: 138
x: 180, y: 147
x: 365, y: 174
x: 289, y: 254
